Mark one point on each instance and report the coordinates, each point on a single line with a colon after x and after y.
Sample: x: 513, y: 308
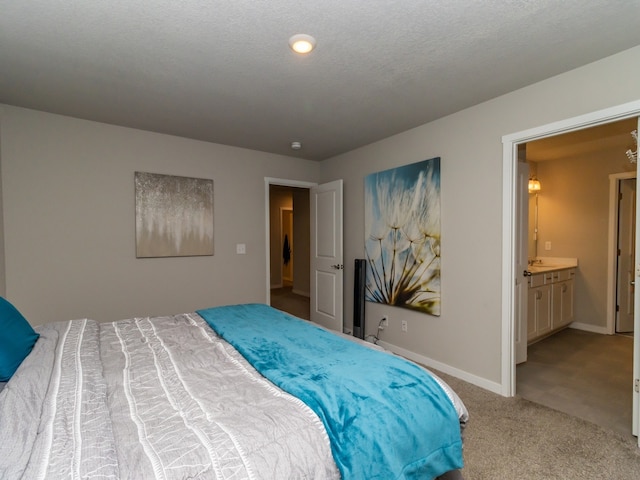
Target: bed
x: 233, y: 392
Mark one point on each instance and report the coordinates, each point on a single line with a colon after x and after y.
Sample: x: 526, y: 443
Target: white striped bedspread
x: 152, y: 398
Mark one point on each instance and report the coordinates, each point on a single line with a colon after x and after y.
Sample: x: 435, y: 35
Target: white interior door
x: 327, y: 265
x: 626, y: 256
x: 635, y: 427
x: 522, y: 258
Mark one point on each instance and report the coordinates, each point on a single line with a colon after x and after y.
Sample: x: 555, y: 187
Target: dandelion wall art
x: 174, y: 215
x: 402, y: 228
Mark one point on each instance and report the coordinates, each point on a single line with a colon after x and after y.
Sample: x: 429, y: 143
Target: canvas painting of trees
x: 174, y: 215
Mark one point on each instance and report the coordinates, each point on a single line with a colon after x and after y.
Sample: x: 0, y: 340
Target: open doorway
x: 289, y: 249
x: 325, y: 267
x: 573, y: 171
x: 566, y: 237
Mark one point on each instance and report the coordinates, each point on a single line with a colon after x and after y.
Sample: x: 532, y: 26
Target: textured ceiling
x: 221, y: 71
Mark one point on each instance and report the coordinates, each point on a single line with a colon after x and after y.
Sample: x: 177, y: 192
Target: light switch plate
x: 241, y: 248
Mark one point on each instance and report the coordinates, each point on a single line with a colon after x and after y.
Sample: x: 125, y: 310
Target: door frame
x: 509, y: 209
x: 612, y: 262
x: 283, y: 182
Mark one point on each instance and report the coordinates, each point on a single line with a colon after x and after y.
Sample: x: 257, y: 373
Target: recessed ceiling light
x: 296, y: 145
x: 302, y: 43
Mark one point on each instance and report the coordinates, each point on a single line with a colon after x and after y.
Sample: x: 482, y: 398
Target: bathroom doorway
x: 574, y: 172
x: 553, y: 132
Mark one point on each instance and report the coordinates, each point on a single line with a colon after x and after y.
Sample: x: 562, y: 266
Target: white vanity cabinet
x: 550, y: 302
x: 562, y: 298
x: 539, y: 307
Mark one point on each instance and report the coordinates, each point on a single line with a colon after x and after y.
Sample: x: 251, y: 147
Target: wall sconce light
x: 534, y: 185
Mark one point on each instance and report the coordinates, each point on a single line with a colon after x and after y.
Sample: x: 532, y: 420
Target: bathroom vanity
x: 551, y: 296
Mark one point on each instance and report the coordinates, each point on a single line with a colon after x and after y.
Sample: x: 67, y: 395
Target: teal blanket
x: 386, y: 418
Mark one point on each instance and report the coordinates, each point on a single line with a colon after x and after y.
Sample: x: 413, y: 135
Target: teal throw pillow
x: 17, y: 338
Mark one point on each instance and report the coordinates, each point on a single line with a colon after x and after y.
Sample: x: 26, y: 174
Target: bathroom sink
x: 550, y: 264
x: 539, y: 268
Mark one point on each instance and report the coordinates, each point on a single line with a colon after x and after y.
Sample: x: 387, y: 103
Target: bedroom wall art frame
x: 402, y: 236
x: 174, y: 216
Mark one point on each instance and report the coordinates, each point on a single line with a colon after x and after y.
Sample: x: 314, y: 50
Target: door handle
x: 337, y: 267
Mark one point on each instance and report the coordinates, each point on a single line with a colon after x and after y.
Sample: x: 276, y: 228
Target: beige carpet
x: 512, y: 438
x: 515, y: 439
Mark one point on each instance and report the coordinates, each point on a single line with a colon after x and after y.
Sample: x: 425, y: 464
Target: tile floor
x: 584, y: 374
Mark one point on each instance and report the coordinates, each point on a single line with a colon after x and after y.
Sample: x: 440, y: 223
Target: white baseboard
x: 299, y: 292
x: 589, y: 328
x: 449, y: 370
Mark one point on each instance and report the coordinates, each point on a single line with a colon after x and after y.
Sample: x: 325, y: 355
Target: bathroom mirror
x: 534, y: 188
x: 533, y: 226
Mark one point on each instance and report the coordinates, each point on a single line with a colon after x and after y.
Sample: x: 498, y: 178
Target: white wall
x: 69, y: 223
x: 465, y: 339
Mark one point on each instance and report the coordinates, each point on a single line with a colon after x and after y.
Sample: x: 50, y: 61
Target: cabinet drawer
x: 564, y: 275
x: 536, y: 280
x: 545, y: 278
